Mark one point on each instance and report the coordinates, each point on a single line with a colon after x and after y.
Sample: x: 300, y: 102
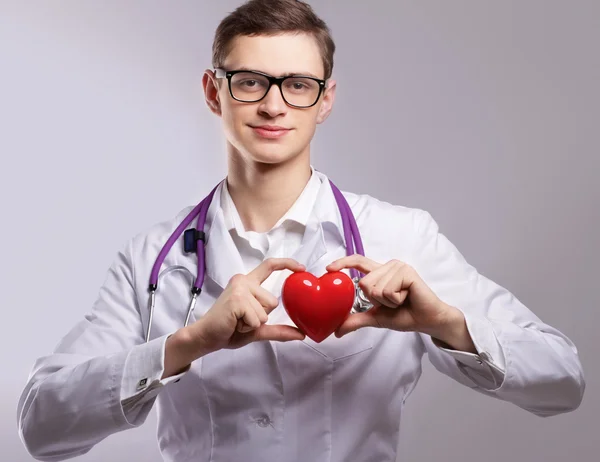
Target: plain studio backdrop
x: 483, y: 113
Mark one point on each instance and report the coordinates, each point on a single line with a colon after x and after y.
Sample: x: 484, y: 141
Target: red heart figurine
x: 318, y: 306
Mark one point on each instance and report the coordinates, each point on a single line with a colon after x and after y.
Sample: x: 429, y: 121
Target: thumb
x: 278, y: 333
x: 356, y: 321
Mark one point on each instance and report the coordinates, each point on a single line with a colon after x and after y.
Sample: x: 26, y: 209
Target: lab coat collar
x: 223, y: 260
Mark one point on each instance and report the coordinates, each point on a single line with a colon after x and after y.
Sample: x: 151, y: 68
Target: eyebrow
x: 287, y: 74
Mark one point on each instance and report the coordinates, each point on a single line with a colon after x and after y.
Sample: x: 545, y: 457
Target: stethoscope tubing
x: 351, y: 236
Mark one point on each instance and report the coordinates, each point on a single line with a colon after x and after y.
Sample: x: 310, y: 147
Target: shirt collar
x: 299, y: 212
x: 324, y: 226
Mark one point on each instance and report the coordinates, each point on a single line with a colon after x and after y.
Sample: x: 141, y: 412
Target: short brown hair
x: 273, y: 17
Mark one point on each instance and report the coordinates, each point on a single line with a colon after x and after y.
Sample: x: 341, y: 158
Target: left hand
x: 402, y: 301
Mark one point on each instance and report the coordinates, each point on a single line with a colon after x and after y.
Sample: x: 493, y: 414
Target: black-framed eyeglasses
x: 299, y: 91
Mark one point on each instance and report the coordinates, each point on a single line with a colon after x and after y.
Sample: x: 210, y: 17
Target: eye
x: 248, y: 83
x: 300, y: 85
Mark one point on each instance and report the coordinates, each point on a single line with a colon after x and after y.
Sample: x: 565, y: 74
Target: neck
x: 263, y: 193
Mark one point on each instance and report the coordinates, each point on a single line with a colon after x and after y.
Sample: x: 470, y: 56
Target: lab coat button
x: 263, y: 421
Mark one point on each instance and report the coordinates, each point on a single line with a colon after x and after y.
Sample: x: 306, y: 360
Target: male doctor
x: 240, y: 381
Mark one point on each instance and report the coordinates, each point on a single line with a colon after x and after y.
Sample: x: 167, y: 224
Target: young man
x: 240, y: 381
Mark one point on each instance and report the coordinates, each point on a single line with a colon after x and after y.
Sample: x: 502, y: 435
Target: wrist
x: 190, y: 341
x: 453, y: 331
x: 181, y: 349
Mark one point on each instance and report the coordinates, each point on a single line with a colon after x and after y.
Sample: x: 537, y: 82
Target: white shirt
x: 292, y: 401
x: 281, y: 241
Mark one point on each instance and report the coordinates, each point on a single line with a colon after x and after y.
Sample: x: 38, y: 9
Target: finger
x: 399, y: 286
x: 242, y: 327
x: 249, y: 318
x: 264, y: 270
x: 355, y: 261
x: 268, y: 301
x: 383, y: 289
x: 260, y: 311
x: 398, y: 298
x: 368, y: 283
x: 277, y: 332
x: 356, y: 321
x: 399, y: 318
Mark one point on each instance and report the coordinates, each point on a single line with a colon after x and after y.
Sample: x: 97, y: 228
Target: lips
x: 274, y: 128
x: 270, y: 131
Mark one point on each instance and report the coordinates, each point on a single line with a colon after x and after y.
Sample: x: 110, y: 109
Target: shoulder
x: 390, y: 230
x: 154, y: 236
x: 138, y: 253
x: 412, y: 220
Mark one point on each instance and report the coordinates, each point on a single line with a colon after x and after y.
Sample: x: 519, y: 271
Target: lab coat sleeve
x: 519, y: 359
x: 487, y: 368
x: 81, y: 393
x: 141, y: 381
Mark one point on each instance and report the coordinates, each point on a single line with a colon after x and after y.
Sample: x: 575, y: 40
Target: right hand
x: 239, y: 315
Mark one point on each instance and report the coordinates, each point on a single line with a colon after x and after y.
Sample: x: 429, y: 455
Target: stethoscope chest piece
x: 361, y: 302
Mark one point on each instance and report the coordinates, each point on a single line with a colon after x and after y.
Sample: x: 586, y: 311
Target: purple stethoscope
x: 194, y: 239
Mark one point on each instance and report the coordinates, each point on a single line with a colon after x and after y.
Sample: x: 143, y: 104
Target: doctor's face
x: 270, y: 130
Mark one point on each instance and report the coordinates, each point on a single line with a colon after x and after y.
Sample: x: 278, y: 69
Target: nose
x: 273, y: 104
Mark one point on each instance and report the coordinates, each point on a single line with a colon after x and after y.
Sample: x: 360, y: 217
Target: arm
x: 518, y: 357
x: 103, y: 378
x: 87, y: 388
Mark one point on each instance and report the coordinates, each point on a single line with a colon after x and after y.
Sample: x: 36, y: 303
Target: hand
x: 239, y: 315
x: 237, y: 318
x: 402, y: 301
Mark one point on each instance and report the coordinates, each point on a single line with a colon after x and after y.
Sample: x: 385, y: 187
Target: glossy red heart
x: 318, y: 306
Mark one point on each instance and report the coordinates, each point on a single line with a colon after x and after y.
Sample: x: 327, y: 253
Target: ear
x: 211, y: 91
x: 327, y: 102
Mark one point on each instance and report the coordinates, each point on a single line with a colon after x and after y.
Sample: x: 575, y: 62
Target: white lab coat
x: 336, y: 401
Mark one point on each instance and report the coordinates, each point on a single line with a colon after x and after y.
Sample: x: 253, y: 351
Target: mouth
x: 270, y: 131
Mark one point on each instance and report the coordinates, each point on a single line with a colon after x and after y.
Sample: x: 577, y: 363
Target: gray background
x: 483, y: 113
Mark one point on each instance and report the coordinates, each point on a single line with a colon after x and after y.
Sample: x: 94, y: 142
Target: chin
x: 270, y: 158
x: 271, y: 153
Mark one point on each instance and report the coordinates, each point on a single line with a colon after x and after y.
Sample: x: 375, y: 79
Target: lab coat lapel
x: 323, y: 232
